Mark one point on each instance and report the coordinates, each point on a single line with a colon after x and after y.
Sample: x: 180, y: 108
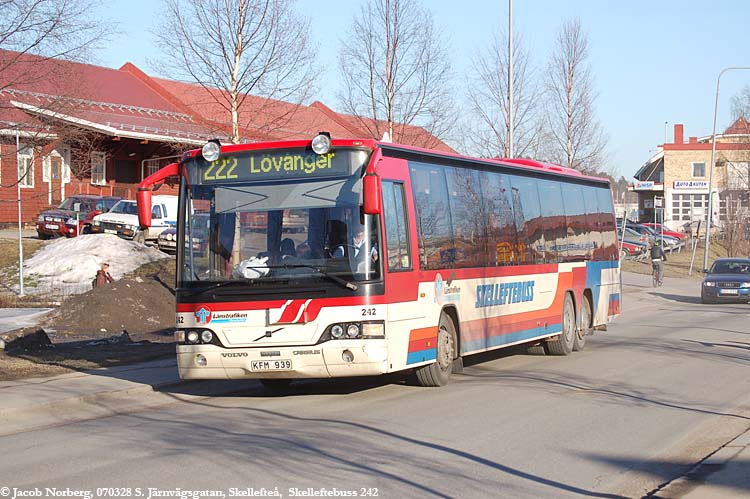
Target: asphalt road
x: 667, y: 385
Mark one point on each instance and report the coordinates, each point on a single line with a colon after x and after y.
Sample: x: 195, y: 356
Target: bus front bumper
x: 328, y: 360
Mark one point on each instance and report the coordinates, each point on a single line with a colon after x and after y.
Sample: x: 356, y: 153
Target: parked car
x: 728, y: 279
x: 632, y: 250
x: 123, y: 219
x: 74, y: 216
x: 670, y: 242
x: 167, y: 241
x: 659, y: 227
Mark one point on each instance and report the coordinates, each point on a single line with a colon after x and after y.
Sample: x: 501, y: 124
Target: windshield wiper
x: 334, y: 278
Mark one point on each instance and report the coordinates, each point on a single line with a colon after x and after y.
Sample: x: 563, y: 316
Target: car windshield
x: 72, y: 204
x: 125, y: 207
x: 731, y: 267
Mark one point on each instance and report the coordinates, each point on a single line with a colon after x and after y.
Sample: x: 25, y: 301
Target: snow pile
x: 67, y: 266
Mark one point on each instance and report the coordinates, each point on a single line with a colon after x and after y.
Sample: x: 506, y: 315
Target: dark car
x: 727, y: 280
x: 167, y: 241
x: 73, y: 216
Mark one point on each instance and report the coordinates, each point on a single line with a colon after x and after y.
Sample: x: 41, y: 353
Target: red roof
x: 739, y: 127
x: 127, y: 102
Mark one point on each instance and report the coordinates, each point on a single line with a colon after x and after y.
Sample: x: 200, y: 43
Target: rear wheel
x: 563, y: 344
x: 580, y: 338
x: 438, y: 373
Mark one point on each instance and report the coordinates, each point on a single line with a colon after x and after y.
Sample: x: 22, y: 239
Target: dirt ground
x: 86, y: 331
x: 679, y: 264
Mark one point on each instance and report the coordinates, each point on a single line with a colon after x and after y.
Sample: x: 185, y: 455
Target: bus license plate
x: 729, y: 292
x: 271, y: 365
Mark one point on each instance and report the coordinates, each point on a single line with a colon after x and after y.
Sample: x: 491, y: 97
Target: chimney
x: 693, y: 140
x: 678, y: 134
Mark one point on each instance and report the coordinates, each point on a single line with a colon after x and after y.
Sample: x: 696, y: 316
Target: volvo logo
x: 234, y: 354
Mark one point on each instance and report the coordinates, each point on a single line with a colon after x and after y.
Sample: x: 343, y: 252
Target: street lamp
x: 711, y: 167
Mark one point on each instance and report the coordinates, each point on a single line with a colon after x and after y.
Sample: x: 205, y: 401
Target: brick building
x: 69, y: 128
x: 677, y: 177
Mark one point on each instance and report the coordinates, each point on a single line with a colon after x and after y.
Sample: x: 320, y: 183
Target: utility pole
x: 510, y: 78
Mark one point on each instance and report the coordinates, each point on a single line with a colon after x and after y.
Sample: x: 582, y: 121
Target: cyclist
x: 657, y: 262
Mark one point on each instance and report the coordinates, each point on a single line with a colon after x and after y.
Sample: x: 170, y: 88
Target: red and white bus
x: 355, y: 258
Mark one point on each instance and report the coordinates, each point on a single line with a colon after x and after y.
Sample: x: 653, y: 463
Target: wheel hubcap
x: 444, y: 350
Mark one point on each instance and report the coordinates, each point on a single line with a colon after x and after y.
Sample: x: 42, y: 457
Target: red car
x: 73, y: 216
x: 658, y: 228
x: 631, y: 249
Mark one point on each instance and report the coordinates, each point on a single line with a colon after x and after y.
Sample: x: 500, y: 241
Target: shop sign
x: 690, y: 184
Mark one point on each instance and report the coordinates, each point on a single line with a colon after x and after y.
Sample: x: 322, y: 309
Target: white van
x: 122, y: 219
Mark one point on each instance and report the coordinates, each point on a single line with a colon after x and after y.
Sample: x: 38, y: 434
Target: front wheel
x: 438, y: 373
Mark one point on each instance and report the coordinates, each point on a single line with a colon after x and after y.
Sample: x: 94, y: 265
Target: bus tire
x: 439, y: 372
x: 563, y: 344
x: 275, y: 384
x: 580, y: 338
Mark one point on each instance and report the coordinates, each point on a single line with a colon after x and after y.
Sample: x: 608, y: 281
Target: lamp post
x: 510, y: 78
x: 711, y: 166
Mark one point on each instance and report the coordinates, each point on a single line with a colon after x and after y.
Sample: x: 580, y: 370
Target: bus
x: 336, y: 258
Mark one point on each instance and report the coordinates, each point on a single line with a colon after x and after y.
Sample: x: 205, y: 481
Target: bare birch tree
x: 36, y: 38
x: 396, y: 73
x: 741, y: 104
x: 577, y: 139
x: 237, y: 50
x: 488, y: 97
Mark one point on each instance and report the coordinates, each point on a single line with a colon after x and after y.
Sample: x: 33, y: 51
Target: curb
x: 699, y: 475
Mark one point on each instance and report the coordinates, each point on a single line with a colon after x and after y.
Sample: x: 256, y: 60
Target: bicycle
x: 656, y: 273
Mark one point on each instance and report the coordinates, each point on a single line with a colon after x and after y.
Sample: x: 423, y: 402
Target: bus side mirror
x: 372, y: 194
x: 143, y: 197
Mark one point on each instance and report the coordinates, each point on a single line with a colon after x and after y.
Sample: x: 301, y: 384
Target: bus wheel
x: 438, y: 373
x: 563, y: 344
x: 275, y: 384
x: 580, y: 338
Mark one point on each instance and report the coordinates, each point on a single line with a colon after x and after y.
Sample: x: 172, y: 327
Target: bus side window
x: 396, y: 233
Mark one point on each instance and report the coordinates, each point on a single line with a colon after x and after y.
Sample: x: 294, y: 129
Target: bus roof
x: 527, y: 164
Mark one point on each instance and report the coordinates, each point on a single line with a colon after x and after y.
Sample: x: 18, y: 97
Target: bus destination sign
x: 276, y: 165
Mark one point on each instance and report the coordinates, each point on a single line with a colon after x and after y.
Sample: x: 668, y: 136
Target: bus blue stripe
x: 421, y: 356
x: 504, y: 339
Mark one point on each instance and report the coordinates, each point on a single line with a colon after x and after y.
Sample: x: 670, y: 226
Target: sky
x: 652, y: 61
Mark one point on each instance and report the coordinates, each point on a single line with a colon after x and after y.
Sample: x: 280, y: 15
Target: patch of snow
x: 72, y: 263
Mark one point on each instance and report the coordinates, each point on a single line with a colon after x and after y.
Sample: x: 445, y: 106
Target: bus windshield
x: 278, y: 230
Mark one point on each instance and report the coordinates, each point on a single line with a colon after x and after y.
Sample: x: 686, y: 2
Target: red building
x: 84, y: 129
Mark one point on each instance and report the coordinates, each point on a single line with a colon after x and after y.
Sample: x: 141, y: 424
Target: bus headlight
x: 321, y: 144
x: 352, y: 330
x: 192, y: 337
x: 337, y: 331
x: 211, y: 150
x: 207, y: 336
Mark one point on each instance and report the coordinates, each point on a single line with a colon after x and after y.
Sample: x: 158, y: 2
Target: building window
x: 26, y: 166
x: 98, y: 168
x: 699, y: 170
x: 150, y: 166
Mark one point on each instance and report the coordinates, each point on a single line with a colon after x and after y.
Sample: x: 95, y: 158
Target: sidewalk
x: 35, y: 403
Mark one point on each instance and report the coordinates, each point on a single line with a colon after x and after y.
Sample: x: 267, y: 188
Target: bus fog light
x: 347, y: 356
x: 192, y: 337
x: 200, y: 360
x: 207, y: 336
x: 352, y: 330
x: 370, y: 330
x: 337, y: 331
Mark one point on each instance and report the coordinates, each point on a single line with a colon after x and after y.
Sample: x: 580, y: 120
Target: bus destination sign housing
x: 286, y: 164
